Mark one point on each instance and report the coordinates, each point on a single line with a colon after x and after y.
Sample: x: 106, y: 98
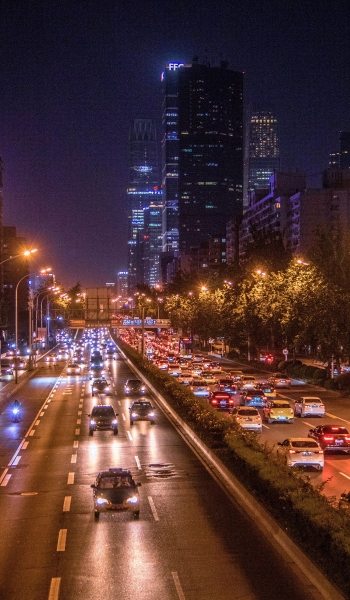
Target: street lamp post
x: 16, y: 327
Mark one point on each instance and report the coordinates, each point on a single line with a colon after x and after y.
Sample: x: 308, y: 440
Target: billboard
x: 98, y: 306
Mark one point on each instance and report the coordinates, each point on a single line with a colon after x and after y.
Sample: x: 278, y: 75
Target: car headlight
x: 151, y: 414
x: 134, y: 414
x: 127, y: 389
x: 143, y: 389
x: 133, y: 500
x: 101, y: 501
x: 107, y: 389
x: 114, y: 422
x: 92, y: 422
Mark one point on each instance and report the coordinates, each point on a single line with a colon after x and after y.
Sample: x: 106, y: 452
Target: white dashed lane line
x: 37, y: 422
x: 153, y: 508
x: 66, y: 503
x: 179, y: 589
x: 129, y: 435
x: 62, y: 539
x: 75, y: 444
x: 137, y: 460
x: 73, y: 458
x: 124, y: 417
x: 70, y: 479
x: 54, y: 588
x: 77, y: 432
x: 32, y: 432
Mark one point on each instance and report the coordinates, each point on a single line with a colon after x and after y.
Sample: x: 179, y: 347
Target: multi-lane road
x: 190, y: 543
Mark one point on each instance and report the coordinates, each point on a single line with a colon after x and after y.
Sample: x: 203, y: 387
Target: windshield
x: 103, y: 411
x: 304, y: 444
x: 248, y: 412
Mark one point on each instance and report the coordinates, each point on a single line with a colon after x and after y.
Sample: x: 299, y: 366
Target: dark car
x: 142, y: 411
x: 100, y: 386
x: 227, y: 385
x: 96, y: 373
x: 111, y: 353
x: 253, y: 398
x: 103, y: 418
x: 331, y: 437
x: 221, y: 400
x: 115, y: 489
x: 134, y: 386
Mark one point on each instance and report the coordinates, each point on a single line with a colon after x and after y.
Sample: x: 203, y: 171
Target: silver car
x: 302, y: 452
x: 309, y: 406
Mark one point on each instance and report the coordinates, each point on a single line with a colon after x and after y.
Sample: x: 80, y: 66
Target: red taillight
x: 214, y: 401
x: 292, y: 451
x: 347, y: 438
x: 328, y: 438
x: 231, y: 401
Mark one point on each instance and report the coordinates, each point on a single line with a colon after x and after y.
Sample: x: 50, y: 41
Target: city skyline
x: 74, y: 78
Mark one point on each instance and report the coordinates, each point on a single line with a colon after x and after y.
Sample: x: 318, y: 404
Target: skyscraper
x: 341, y: 159
x: 143, y: 186
x: 152, y: 242
x: 202, y: 152
x: 264, y: 153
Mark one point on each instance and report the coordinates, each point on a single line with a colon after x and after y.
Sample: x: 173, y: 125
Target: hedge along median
x: 321, y: 529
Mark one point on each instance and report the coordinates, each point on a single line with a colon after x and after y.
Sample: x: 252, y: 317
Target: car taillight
x: 292, y: 451
x: 214, y: 401
x: 231, y: 401
x: 347, y: 438
x: 328, y: 438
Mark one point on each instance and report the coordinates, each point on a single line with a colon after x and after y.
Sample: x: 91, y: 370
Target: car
x: 134, y: 386
x: 103, y: 418
x: 278, y: 411
x: 279, y: 380
x: 116, y: 489
x: 267, y: 389
x: 331, y: 437
x: 216, y: 368
x: 174, y: 370
x: 301, y: 452
x: 142, y: 410
x: 309, y: 406
x: 208, y: 377
x: 235, y: 374
x: 200, y: 389
x: 96, y: 373
x: 197, y: 369
x: 253, y: 398
x: 62, y: 355
x: 51, y: 359
x: 248, y: 418
x: 226, y: 385
x: 100, y: 386
x: 73, y: 369
x: 221, y: 400
x: 185, y: 377
x: 111, y: 353
x: 247, y: 382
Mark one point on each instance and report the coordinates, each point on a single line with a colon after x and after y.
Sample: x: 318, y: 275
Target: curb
x: 320, y: 586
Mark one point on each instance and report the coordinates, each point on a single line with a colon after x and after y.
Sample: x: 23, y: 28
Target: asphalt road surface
x: 190, y: 543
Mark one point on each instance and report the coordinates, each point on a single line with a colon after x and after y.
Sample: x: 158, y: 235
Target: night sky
x: 74, y: 73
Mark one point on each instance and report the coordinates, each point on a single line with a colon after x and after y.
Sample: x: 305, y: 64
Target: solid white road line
x: 75, y: 444
x: 137, y: 460
x: 3, y: 475
x: 129, y: 435
x: 5, y: 480
x: 77, y: 432
x: 62, y: 539
x: 73, y: 458
x: 344, y: 475
x: 70, y: 480
x: 15, y: 462
x: 66, y: 503
x: 153, y: 508
x: 54, y: 588
x: 178, y: 586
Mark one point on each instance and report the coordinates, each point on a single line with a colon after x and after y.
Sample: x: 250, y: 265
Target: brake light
x: 214, y: 401
x: 328, y: 438
x: 347, y: 438
x: 292, y: 451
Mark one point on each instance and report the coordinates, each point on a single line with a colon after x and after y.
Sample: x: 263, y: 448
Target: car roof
x: 115, y: 471
x: 310, y: 398
x: 99, y: 406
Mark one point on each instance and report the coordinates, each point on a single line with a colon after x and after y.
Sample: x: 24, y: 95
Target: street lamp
x: 25, y: 253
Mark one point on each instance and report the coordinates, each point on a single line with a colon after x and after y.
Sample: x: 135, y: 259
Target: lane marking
x: 73, y: 458
x: 66, y: 503
x: 77, y: 432
x: 266, y: 426
x: 25, y: 445
x: 70, y: 479
x: 15, y: 454
x: 334, y: 417
x: 137, y: 460
x: 62, y: 539
x: 32, y: 432
x: 124, y: 417
x: 129, y: 435
x: 78, y: 421
x: 54, y: 588
x: 344, y: 475
x: 5, y: 480
x: 15, y: 462
x: 153, y: 508
x: 179, y: 589
x: 75, y: 444
x: 37, y: 422
x: 81, y: 405
x: 79, y: 412
x: 41, y: 414
x: 45, y: 407
x: 308, y: 424
x: 67, y: 393
x: 119, y: 403
x: 3, y: 475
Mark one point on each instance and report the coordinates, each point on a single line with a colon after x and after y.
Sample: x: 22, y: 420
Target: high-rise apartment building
x: 341, y: 158
x: 152, y: 247
x: 202, y: 152
x: 263, y: 148
x: 143, y: 187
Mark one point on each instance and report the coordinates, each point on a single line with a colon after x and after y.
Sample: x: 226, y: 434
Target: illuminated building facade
x: 341, y: 159
x: 264, y: 153
x: 152, y: 242
x: 202, y: 152
x: 142, y: 188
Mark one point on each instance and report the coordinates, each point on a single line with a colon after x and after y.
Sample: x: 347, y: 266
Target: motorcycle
x: 15, y: 413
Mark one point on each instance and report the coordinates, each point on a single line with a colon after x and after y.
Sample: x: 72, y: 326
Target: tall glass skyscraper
x: 142, y: 189
x: 202, y: 152
x: 264, y: 152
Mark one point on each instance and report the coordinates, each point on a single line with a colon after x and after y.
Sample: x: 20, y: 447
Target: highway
x: 190, y: 543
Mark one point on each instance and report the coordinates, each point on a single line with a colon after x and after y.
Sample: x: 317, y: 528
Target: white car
x: 208, y: 377
x: 248, y: 417
x: 309, y: 406
x: 202, y: 391
x: 300, y: 452
x: 247, y: 382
